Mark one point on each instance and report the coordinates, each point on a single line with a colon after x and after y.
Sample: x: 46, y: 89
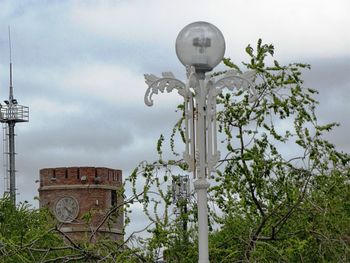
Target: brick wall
x: 80, y: 175
x: 92, y: 188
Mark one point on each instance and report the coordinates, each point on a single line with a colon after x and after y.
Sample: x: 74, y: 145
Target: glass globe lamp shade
x: 200, y: 44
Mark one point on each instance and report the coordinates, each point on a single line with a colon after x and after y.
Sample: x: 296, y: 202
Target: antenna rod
x: 10, y: 49
x: 11, y: 135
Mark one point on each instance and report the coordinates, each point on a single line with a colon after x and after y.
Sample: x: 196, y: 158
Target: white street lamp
x: 200, y: 46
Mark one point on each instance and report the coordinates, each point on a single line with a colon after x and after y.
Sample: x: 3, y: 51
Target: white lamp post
x: 200, y: 46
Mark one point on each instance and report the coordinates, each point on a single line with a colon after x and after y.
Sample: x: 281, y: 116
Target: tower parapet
x: 85, y: 176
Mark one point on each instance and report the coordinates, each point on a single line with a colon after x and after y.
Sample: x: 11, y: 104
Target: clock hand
x: 69, y: 212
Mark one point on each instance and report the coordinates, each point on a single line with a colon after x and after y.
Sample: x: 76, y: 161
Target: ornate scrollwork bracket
x: 232, y: 79
x: 167, y: 83
x: 200, y: 102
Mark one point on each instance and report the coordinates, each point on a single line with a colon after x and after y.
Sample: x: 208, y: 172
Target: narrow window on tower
x: 114, y: 198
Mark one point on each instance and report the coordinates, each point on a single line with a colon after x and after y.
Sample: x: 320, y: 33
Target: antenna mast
x: 10, y: 51
x: 10, y: 114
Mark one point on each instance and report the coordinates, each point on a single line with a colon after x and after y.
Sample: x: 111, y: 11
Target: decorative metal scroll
x: 167, y: 83
x: 231, y: 80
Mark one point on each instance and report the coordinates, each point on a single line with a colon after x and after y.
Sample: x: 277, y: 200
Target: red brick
x: 86, y: 185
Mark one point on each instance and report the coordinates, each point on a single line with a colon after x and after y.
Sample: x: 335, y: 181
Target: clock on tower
x: 66, y: 209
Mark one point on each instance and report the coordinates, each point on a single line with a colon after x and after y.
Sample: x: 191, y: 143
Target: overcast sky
x: 79, y: 66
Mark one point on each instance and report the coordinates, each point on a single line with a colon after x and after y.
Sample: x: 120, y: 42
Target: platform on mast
x: 14, y: 113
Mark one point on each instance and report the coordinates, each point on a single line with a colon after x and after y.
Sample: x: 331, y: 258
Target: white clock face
x: 66, y: 209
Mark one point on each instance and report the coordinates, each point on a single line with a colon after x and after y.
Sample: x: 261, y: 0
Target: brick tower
x: 80, y: 197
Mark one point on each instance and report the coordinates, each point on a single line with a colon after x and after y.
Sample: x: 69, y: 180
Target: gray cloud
x: 330, y: 76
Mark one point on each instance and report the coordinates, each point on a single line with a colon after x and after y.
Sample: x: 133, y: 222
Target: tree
x: 33, y: 235
x: 281, y: 191
x: 26, y: 234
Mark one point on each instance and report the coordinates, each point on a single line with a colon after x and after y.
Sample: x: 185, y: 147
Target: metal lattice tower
x: 10, y: 114
x: 180, y: 188
x: 181, y: 194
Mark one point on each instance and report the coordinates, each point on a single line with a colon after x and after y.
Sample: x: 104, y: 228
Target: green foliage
x: 32, y: 235
x: 269, y: 191
x: 26, y: 233
x: 280, y: 194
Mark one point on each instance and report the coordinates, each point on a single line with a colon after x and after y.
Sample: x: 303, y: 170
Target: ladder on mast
x: 5, y: 159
